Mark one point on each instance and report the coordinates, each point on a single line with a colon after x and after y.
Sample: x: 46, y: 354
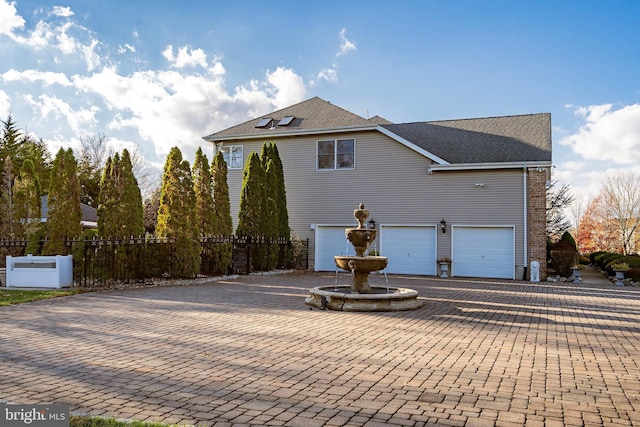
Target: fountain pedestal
x: 360, y: 296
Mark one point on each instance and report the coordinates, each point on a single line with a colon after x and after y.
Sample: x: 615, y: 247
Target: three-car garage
x: 477, y: 250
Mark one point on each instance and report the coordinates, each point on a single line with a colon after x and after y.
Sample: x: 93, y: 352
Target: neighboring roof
x: 380, y: 120
x: 508, y: 139
x: 492, y: 139
x: 89, y: 214
x: 312, y: 114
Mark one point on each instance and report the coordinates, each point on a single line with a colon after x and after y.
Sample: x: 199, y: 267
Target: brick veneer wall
x: 537, y: 218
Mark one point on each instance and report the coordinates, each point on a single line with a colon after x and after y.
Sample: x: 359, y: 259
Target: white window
x: 232, y: 156
x: 336, y: 154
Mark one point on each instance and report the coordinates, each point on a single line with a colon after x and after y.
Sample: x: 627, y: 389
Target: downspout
x: 526, y: 217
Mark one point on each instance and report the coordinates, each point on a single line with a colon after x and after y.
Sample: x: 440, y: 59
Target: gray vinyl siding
x: 393, y: 182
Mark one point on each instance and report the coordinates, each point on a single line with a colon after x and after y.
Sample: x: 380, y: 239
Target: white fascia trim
x: 494, y: 165
x: 411, y: 145
x: 290, y: 133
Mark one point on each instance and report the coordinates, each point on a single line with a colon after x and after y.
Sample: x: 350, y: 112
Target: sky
x: 153, y: 74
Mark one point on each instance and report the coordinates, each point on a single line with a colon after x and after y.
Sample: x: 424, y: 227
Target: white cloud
x: 5, y: 105
x: 169, y: 108
x: 9, y: 18
x: 47, y: 77
x: 328, y: 74
x: 78, y: 120
x: 50, y: 36
x: 607, y: 134
x: 346, y: 45
x: 289, y: 87
x: 126, y: 48
x: 186, y: 57
x: 157, y: 108
x: 62, y: 11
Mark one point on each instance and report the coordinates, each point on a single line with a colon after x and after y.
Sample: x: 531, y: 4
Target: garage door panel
x: 411, y: 249
x: 483, y: 252
x: 330, y: 241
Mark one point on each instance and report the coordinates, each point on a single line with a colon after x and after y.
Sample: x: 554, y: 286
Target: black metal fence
x: 110, y: 262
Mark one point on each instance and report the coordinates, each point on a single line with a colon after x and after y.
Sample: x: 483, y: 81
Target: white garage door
x: 330, y: 241
x: 483, y: 252
x: 411, y: 249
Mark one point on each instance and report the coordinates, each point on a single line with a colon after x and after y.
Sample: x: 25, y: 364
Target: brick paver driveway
x: 248, y: 351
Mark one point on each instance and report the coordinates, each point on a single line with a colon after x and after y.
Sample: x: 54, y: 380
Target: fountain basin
x: 343, y: 298
x: 363, y: 264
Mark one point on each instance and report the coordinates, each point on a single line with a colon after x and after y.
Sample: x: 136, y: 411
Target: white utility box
x: 40, y: 271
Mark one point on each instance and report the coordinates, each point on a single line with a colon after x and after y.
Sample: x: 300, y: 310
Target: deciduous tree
x: 621, y: 197
x: 558, y: 199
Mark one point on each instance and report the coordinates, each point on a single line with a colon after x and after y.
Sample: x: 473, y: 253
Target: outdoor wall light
x: 479, y: 184
x: 372, y: 224
x: 443, y: 225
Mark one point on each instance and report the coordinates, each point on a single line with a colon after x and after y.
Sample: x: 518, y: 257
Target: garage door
x: 411, y: 249
x: 330, y: 241
x: 483, y: 252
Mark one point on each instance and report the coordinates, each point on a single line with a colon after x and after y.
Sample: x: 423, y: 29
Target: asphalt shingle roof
x: 483, y: 140
x: 314, y: 113
x: 523, y: 138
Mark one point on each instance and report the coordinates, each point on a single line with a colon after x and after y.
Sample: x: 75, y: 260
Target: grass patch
x: 81, y: 421
x: 18, y: 296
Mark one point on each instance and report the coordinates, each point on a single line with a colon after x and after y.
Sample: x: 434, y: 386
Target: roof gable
x: 312, y: 114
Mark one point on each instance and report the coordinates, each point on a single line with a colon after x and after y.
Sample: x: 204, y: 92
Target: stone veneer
x: 537, y: 218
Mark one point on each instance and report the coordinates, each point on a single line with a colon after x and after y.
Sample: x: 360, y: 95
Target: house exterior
x: 470, y: 190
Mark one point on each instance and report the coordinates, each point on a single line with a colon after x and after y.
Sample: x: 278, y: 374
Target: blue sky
x: 155, y: 74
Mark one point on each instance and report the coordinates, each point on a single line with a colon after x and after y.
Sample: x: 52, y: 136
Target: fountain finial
x: 361, y: 215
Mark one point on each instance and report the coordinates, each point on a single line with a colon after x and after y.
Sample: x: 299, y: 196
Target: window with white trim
x: 336, y: 154
x: 232, y: 155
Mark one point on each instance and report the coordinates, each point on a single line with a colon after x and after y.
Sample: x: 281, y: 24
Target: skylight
x: 263, y: 123
x: 286, y: 120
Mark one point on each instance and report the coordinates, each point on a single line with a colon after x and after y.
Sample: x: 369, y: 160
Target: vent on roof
x: 263, y: 123
x: 286, y: 121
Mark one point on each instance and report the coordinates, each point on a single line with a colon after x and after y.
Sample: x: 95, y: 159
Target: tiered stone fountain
x: 360, y: 296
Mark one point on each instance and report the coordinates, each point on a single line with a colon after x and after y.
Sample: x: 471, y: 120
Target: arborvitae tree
x: 277, y: 189
x: 281, y: 195
x: 106, y: 210
x: 222, y: 206
x: 204, y: 197
x: 64, y: 216
x: 27, y: 203
x: 131, y: 202
x: 223, y: 223
x: 18, y: 146
x: 277, y: 203
x: 251, y: 216
x: 37, y: 151
x: 6, y: 200
x: 176, y: 215
x: 120, y: 209
x: 253, y: 206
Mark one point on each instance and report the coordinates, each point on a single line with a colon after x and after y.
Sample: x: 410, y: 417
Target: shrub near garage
x: 605, y: 258
x: 632, y: 261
